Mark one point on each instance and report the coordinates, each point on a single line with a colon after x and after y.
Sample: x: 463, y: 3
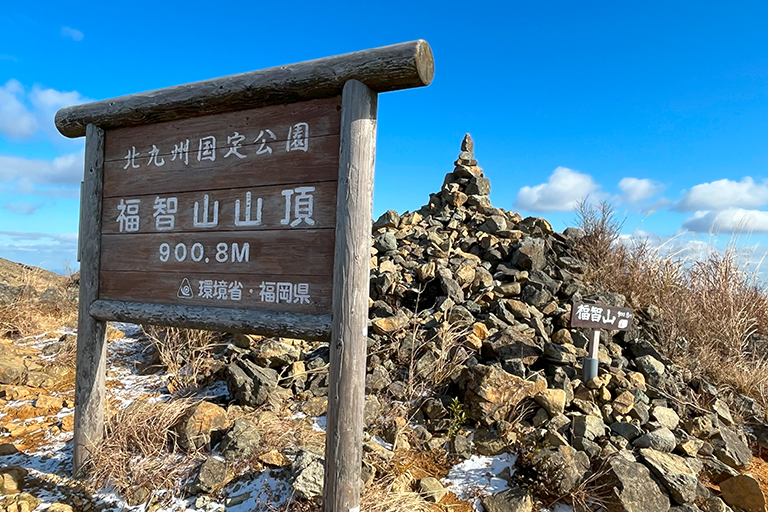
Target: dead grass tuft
x: 27, y: 315
x: 185, y: 354
x: 139, y: 449
x: 712, y: 314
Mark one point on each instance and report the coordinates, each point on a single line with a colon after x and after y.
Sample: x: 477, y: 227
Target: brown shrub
x: 712, y: 313
x: 186, y: 354
x: 139, y: 448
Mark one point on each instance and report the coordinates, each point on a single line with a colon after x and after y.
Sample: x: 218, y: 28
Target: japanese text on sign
x: 264, y: 143
x: 601, y: 316
x: 298, y: 212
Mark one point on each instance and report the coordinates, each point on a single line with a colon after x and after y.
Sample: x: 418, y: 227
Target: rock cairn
x: 469, y: 311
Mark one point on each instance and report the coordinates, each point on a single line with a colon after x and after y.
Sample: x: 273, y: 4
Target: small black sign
x: 601, y: 316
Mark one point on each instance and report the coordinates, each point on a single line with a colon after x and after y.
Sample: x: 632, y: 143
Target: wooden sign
x: 234, y: 210
x: 601, y: 316
x: 239, y: 204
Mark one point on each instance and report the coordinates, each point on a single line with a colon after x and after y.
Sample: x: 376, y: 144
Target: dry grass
x: 712, y: 313
x: 139, y: 449
x: 450, y: 351
x: 185, y: 354
x: 27, y: 316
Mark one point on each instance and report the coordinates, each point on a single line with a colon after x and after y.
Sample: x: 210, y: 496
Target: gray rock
x: 478, y: 186
x: 628, y: 431
x: 514, y: 499
x: 715, y: 504
x: 377, y: 380
x: 650, y: 366
x: 716, y: 471
x: 385, y: 242
x: 674, y: 473
x: 250, y: 384
x: 431, y: 489
x: 589, y: 427
x: 563, y: 354
x: 308, y: 475
x: 273, y: 353
x: 494, y: 224
x: 450, y: 287
x: 530, y: 255
x: 460, y: 315
x: 241, y: 441
x: 731, y: 449
x: 569, y: 464
x: 389, y: 219
x: 666, y: 417
x: 461, y: 446
x: 632, y: 488
x: 211, y: 476
x: 661, y: 439
x: 723, y: 412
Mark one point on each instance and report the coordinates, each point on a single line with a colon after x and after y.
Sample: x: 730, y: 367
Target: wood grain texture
x: 91, y: 359
x: 322, y: 117
x: 300, y: 252
x: 265, y: 323
x: 346, y: 388
x: 215, y: 290
x: 320, y: 163
x: 273, y: 210
x: 389, y: 68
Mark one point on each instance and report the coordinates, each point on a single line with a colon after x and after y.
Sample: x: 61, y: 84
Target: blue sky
x: 659, y: 107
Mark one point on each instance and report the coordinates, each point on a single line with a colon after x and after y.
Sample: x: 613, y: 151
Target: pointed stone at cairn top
x: 466, y: 184
x: 467, y: 155
x: 468, y: 144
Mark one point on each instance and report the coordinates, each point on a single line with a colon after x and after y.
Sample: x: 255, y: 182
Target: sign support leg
x: 346, y: 391
x: 589, y: 370
x: 91, y: 362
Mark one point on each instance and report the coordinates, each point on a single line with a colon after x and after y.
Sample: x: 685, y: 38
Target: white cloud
x: 562, y: 192
x: 38, y: 176
x: 71, y: 33
x: 731, y: 220
x: 22, y: 208
x: 45, y: 250
x: 722, y: 194
x: 23, y: 114
x: 16, y: 120
x: 636, y: 189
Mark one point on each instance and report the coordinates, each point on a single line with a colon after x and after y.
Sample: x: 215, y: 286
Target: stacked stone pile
x: 472, y: 303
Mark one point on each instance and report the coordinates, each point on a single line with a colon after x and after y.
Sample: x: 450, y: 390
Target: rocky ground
x: 474, y: 394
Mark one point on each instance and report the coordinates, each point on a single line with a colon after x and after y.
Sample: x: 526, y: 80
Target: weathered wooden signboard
x: 240, y: 204
x: 596, y: 317
x: 232, y: 210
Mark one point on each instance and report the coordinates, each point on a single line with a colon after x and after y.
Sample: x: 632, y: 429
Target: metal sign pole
x: 589, y: 370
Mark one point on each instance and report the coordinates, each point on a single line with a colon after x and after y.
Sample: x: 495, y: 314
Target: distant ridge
x: 17, y: 274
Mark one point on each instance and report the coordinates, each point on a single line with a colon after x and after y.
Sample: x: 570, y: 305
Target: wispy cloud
x: 71, y: 33
x: 22, y: 208
x: 635, y: 190
x: 24, y: 113
x: 16, y: 120
x: 60, y: 176
x: 562, y: 192
x: 45, y: 250
x: 8, y: 57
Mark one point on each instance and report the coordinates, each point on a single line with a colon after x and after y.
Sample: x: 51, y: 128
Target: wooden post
x: 346, y: 391
x: 91, y: 334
